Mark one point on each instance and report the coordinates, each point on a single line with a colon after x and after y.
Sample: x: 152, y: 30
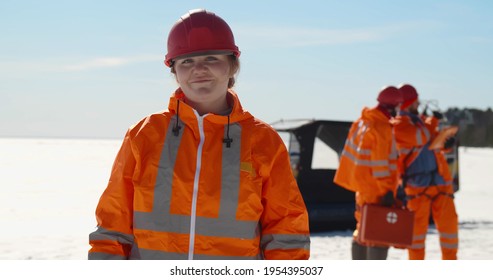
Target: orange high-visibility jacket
x: 416, y: 162
x: 185, y: 186
x: 368, y: 164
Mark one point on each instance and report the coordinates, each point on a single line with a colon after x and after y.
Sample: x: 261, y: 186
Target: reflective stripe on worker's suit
x: 368, y: 164
x: 428, y: 184
x: 189, y: 217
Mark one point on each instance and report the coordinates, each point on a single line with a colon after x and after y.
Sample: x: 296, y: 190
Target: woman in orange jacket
x: 368, y: 165
x: 204, y: 179
x: 426, y: 178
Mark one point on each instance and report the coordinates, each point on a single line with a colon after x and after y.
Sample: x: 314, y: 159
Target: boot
x: 377, y: 253
x: 358, y: 251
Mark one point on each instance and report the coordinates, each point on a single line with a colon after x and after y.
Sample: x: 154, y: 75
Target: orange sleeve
x: 345, y: 173
x: 115, y: 207
x: 285, y: 231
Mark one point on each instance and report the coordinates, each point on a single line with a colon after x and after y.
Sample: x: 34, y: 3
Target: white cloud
x: 105, y: 62
x: 269, y: 36
x: 98, y: 63
x: 15, y: 67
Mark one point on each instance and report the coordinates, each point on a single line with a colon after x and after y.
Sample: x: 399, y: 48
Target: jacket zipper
x: 193, y: 214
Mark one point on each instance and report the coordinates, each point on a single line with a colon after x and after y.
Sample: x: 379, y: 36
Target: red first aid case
x: 386, y: 226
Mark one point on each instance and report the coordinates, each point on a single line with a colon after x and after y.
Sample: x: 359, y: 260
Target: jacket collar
x: 186, y: 113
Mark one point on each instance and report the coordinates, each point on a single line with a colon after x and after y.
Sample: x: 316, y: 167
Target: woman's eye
x: 211, y: 58
x: 186, y: 61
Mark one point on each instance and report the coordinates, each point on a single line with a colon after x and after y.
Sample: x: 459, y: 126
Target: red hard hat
x: 409, y: 94
x: 199, y: 31
x: 389, y: 95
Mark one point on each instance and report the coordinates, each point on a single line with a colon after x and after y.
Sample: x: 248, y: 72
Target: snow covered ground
x: 50, y: 188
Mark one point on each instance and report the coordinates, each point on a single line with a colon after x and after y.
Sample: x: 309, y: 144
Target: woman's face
x: 204, y: 79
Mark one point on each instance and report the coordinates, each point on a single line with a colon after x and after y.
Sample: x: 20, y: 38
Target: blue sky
x: 92, y: 68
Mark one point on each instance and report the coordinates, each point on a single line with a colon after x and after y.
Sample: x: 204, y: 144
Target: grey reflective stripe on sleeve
x: 364, y: 162
x: 285, y: 241
x: 104, y: 234
x: 351, y: 141
x: 105, y: 256
x: 225, y: 225
x: 147, y: 254
x: 360, y: 151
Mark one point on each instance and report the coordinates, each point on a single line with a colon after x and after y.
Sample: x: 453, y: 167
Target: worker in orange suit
x: 204, y: 179
x: 368, y: 165
x: 426, y: 177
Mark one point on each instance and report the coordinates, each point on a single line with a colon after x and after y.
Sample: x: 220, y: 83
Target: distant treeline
x: 475, y: 126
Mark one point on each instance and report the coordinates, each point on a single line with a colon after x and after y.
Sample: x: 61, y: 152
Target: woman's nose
x: 200, y: 66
